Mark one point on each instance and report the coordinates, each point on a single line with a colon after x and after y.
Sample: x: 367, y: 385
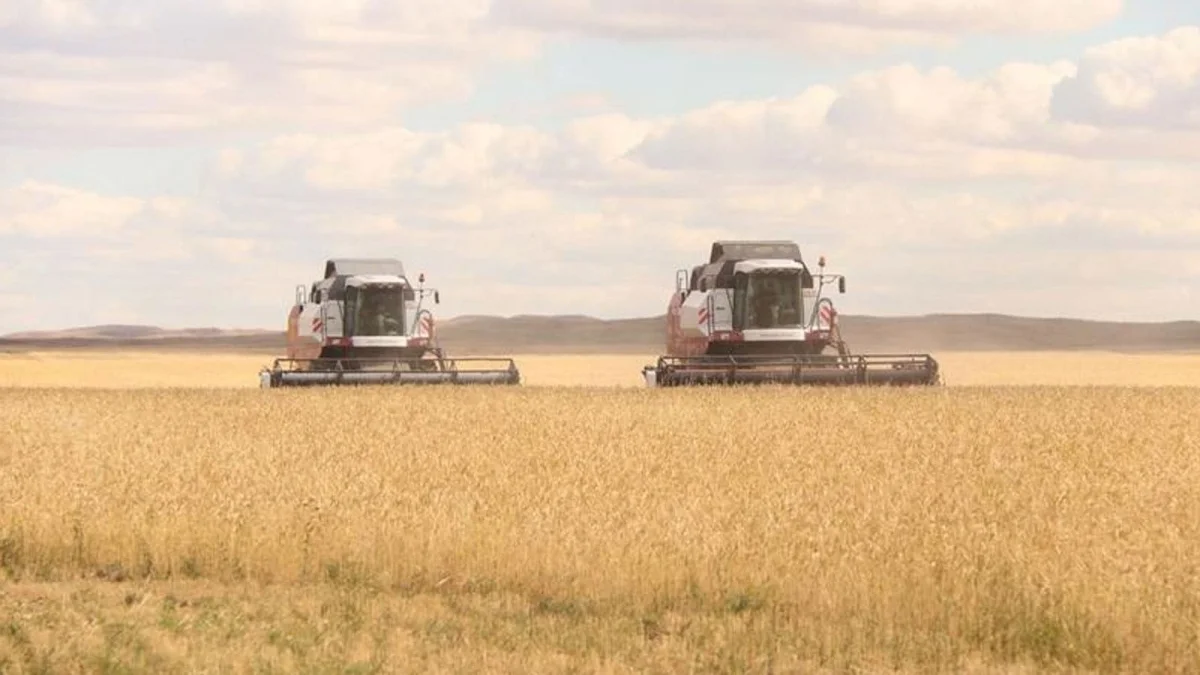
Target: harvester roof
x: 730, y: 257
x: 723, y: 251
x: 360, y: 280
x: 337, y: 267
x: 341, y: 272
x: 767, y: 265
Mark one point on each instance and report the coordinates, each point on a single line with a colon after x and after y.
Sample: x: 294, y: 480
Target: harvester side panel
x: 332, y: 320
x: 311, y: 326
x: 410, y: 325
x: 808, y: 308
x: 704, y: 313
x: 301, y: 342
x: 720, y: 307
x: 678, y: 344
x: 310, y: 332
x: 693, y: 316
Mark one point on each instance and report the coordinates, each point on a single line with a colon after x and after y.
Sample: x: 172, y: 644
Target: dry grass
x: 529, y: 529
x: 131, y: 369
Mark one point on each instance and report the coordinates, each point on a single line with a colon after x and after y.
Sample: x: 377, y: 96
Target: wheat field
x: 597, y: 529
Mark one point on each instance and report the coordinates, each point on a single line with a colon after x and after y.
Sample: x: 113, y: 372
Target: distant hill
x: 562, y: 334
x: 120, y: 332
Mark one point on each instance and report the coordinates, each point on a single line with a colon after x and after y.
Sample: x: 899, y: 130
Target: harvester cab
x: 365, y: 323
x: 755, y: 313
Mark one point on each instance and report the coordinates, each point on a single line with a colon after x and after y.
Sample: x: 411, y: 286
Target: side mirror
x: 437, y: 298
x: 841, y: 284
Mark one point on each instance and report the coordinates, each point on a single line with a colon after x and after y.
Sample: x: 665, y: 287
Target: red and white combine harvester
x: 365, y: 323
x: 755, y: 314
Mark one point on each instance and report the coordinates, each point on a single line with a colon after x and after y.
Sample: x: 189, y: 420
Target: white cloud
x: 96, y: 258
x: 905, y: 123
x: 49, y: 16
x: 231, y: 249
x: 467, y: 156
x: 815, y: 25
x: 39, y: 210
x: 891, y: 173
x: 144, y: 70
x: 1149, y: 82
x: 941, y: 104
x: 16, y: 302
x: 115, y: 228
x: 1034, y: 188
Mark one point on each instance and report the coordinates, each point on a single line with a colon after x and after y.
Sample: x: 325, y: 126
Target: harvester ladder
x: 835, y: 334
x: 434, y: 344
x: 842, y: 348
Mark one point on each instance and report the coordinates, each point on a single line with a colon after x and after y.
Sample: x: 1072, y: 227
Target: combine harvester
x: 754, y: 314
x: 364, y: 324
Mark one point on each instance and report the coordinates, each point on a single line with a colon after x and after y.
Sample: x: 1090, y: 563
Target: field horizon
x: 472, y: 335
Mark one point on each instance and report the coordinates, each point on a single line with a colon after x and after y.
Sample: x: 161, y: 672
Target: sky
x: 187, y: 163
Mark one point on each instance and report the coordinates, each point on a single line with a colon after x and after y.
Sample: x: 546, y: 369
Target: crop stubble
x: 647, y: 529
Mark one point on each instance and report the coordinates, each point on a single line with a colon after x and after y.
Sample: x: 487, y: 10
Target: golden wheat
x: 613, y: 530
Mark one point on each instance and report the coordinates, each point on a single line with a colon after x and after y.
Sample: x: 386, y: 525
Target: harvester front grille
x: 798, y: 369
x: 373, y: 371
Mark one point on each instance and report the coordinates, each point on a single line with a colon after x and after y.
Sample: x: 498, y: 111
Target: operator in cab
x: 385, y: 322
x: 378, y: 319
x: 766, y: 304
